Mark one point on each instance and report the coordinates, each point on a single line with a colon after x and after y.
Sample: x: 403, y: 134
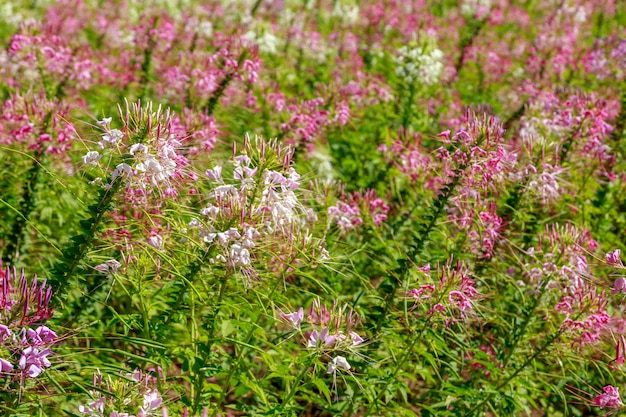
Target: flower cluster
x: 133, y: 395
x: 35, y: 123
x: 256, y: 204
x: 347, y: 216
x: 560, y: 262
x: 352, y: 209
x: 475, y: 8
x: 330, y: 331
x: 609, y: 398
x: 419, y: 63
x: 24, y: 348
x: 153, y: 159
x: 586, y: 318
x: 454, y: 291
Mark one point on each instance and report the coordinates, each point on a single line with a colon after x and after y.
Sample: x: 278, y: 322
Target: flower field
x: 312, y: 208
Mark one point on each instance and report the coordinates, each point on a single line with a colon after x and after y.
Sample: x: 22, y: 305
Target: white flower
x: 92, y: 158
x: 339, y: 362
x: 109, y: 266
x: 267, y: 42
x: 138, y: 147
x: 121, y: 169
x: 239, y: 256
x: 156, y: 241
x: 420, y: 63
x: 111, y: 138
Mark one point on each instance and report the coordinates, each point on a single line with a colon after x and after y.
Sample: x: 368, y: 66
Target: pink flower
x: 609, y: 398
x: 294, y: 318
x: 619, y: 286
x: 156, y: 241
x: 93, y: 407
x: 5, y: 366
x: 613, y: 258
x: 324, y: 338
x: 34, y: 361
x: 5, y: 333
x: 151, y: 401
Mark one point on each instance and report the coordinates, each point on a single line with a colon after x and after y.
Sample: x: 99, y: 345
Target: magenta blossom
x: 613, y: 258
x: 609, y: 398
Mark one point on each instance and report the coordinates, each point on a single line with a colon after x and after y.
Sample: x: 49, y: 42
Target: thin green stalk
x: 522, y: 330
x: 248, y: 338
x: 520, y: 368
x: 211, y: 338
x: 255, y: 7
x: 408, y: 108
x: 467, y: 42
x: 66, y: 267
x: 28, y: 200
x: 27, y: 204
x: 211, y: 104
x: 193, y: 270
x: 402, y: 271
x: 400, y: 364
x: 407, y: 351
x: 299, y: 378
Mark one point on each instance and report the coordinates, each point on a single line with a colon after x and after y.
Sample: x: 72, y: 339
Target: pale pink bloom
x: 138, y: 147
x: 613, y: 258
x: 156, y: 241
x: 96, y: 406
x: 215, y: 173
x: 109, y: 266
x: 151, y: 401
x: 5, y: 332
x: 91, y: 157
x: 619, y: 286
x: 294, y: 318
x: 356, y: 339
x: 34, y: 361
x: 5, y: 366
x: 323, y: 338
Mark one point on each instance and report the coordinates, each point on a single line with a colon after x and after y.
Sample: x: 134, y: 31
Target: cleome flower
x: 252, y: 204
x: 24, y: 348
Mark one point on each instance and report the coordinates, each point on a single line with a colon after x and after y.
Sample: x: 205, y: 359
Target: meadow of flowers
x: 312, y: 208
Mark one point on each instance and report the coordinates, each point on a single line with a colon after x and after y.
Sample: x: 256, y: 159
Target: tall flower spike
x: 22, y: 304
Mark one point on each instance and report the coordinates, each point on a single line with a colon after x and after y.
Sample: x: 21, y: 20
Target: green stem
x: 219, y: 91
x: 27, y: 205
x: 400, y: 363
x: 416, y: 247
x: 520, y: 368
x: 467, y: 42
x: 235, y: 367
x: 67, y: 266
x: 299, y: 378
x: 199, y: 377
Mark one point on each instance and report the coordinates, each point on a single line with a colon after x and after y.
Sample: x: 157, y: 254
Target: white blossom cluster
x: 266, y: 41
x: 419, y: 64
x: 475, y: 8
x: 153, y: 162
x: 252, y: 206
x: 346, y: 11
x: 133, y: 393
